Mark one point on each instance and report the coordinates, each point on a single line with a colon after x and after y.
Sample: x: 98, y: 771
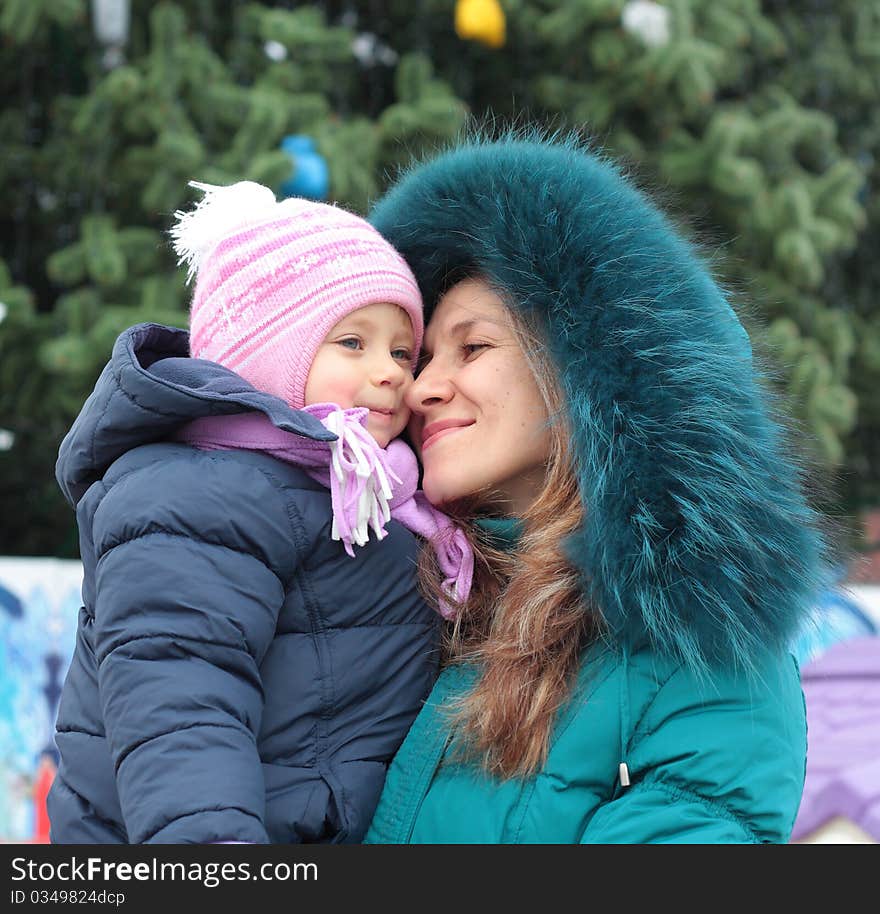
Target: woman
x: 620, y: 672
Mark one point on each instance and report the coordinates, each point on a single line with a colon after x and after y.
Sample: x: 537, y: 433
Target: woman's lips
x: 437, y: 430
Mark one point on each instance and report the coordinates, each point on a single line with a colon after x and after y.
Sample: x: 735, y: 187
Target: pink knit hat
x: 273, y: 278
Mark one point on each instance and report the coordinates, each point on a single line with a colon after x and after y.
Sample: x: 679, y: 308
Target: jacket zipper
x: 426, y: 781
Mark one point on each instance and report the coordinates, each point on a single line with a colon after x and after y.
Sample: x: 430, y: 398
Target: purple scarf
x: 368, y: 484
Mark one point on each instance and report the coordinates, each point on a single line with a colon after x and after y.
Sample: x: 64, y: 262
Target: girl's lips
x: 442, y: 429
x: 384, y: 416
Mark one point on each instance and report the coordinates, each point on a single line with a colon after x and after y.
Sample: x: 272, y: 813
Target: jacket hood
x: 697, y: 535
x: 149, y: 388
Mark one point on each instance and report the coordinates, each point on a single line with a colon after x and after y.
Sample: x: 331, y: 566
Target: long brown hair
x: 526, y: 620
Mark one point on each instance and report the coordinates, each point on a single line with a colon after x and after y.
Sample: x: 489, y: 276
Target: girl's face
x: 479, y: 421
x: 366, y: 360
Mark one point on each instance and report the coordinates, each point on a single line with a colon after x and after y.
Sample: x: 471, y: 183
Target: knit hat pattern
x: 274, y: 277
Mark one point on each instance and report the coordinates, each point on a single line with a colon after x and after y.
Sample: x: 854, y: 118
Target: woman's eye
x: 470, y: 348
x: 350, y: 342
x: 402, y: 355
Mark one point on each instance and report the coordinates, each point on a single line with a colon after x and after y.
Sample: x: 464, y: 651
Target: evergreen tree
x: 758, y: 120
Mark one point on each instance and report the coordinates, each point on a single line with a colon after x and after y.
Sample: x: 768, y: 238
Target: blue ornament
x: 310, y: 176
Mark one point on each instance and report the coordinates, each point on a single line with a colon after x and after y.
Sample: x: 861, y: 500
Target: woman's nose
x: 431, y: 387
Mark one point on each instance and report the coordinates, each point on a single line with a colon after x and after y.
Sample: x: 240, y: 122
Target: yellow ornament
x: 481, y: 20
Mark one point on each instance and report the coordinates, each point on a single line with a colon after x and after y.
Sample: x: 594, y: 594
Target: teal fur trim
x: 697, y: 536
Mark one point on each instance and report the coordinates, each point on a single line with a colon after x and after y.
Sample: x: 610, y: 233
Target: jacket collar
x: 149, y: 388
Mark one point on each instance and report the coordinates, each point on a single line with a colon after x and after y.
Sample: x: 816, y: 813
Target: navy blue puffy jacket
x: 236, y: 675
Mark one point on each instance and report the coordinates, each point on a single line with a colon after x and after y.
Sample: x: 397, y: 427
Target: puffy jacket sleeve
x: 192, y: 564
x: 715, y: 760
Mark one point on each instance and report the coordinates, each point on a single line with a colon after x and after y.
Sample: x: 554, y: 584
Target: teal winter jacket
x: 713, y: 762
x: 698, y: 552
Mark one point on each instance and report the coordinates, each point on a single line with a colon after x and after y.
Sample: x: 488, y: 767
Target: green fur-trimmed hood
x: 697, y: 534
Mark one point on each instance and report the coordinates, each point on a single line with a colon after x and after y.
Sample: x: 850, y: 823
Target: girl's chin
x: 381, y: 436
x: 382, y: 433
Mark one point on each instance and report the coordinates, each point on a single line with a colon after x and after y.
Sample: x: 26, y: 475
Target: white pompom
x: 220, y: 213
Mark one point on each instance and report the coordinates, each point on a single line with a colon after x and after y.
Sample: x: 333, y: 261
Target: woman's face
x: 479, y: 422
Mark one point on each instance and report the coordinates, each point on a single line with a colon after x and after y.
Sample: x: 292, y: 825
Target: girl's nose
x: 391, y: 373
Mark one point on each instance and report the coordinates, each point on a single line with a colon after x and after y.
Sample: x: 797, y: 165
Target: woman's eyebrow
x: 460, y: 327
x: 457, y: 329
x: 486, y: 325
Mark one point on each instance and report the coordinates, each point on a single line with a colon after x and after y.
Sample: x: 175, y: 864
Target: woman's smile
x: 441, y: 428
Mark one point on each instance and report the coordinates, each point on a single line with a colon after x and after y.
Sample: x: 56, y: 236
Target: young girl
x: 249, y: 658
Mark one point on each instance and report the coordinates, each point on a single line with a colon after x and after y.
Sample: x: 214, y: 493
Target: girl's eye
x: 350, y: 342
x: 401, y: 355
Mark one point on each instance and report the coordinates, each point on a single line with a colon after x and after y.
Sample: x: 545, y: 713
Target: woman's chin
x: 440, y: 493
x: 434, y: 496
x: 446, y: 494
